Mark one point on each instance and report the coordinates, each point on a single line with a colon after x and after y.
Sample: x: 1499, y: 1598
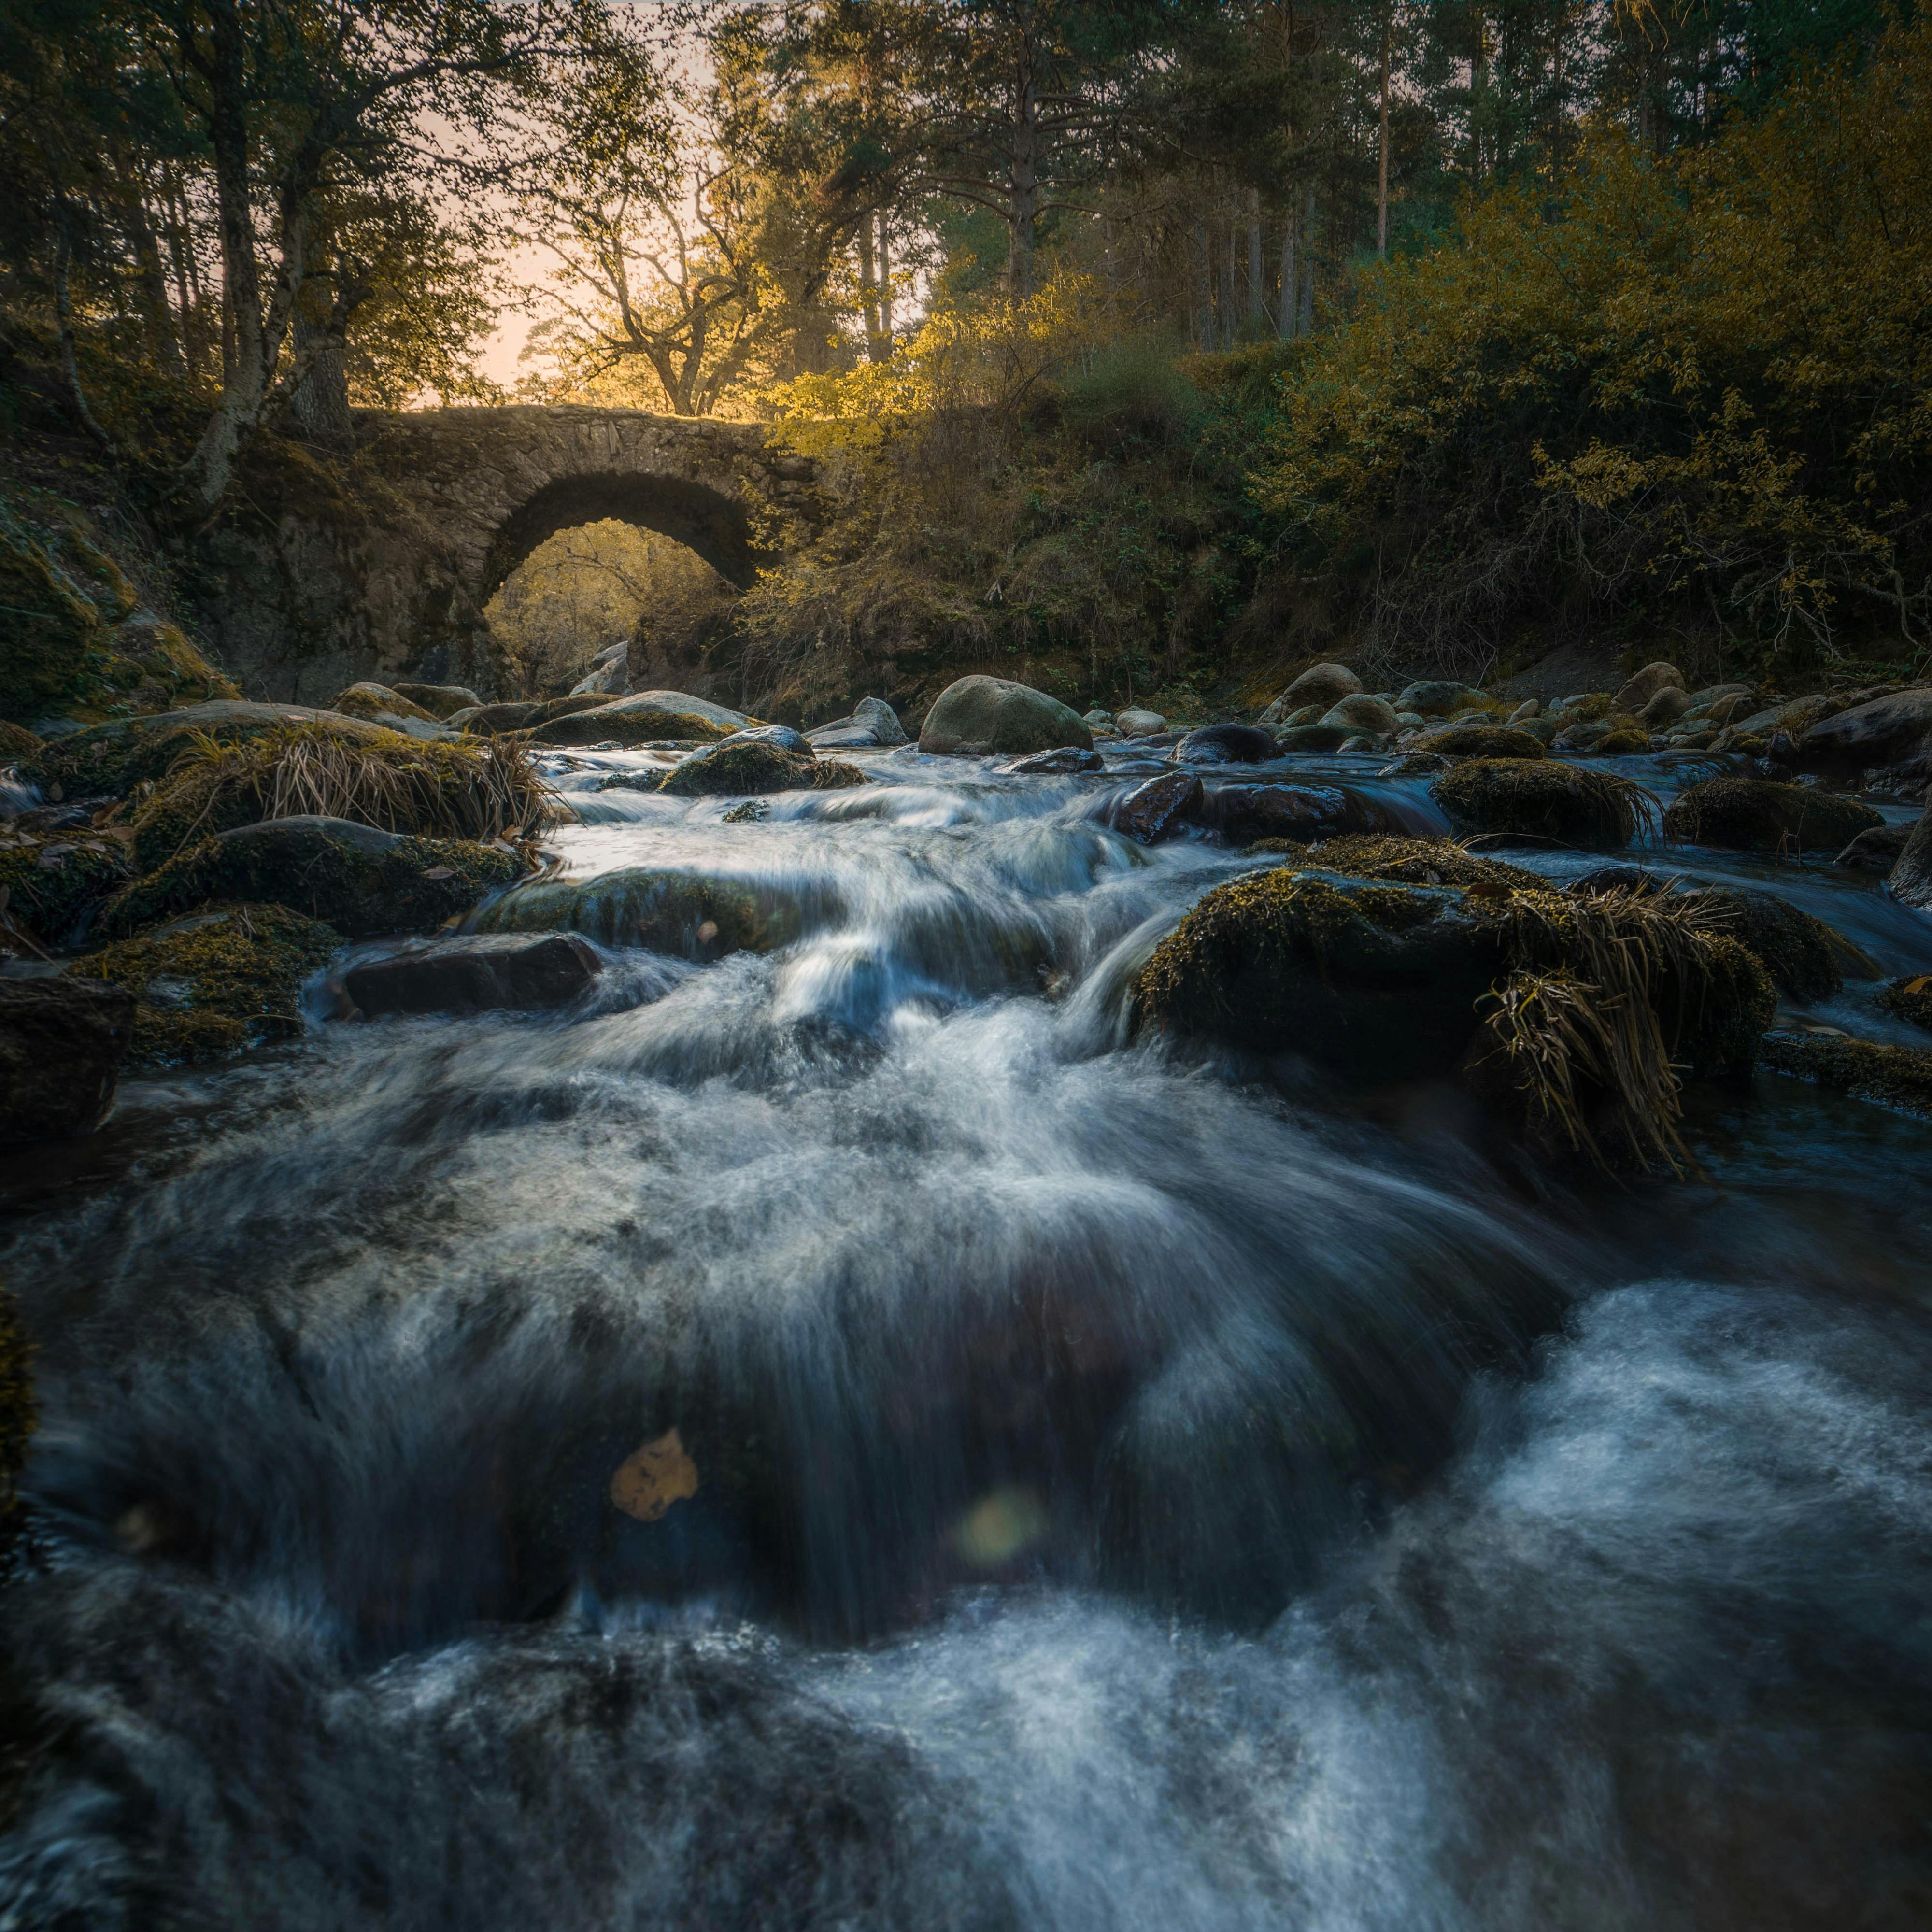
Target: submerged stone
x: 1244, y: 813
x: 61, y: 1043
x: 1156, y: 809
x: 685, y: 913
x: 1068, y: 759
x: 476, y: 972
x: 768, y: 758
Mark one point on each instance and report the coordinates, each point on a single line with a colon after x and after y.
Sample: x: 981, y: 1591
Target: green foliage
x: 1700, y: 386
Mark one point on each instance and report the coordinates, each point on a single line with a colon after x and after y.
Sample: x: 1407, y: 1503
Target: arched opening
x: 701, y: 519
x: 589, y: 586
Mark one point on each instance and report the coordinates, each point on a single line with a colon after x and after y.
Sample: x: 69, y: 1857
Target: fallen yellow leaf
x: 649, y: 1479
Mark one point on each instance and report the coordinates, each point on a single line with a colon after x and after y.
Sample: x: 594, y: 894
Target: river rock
x: 1541, y: 799
x: 1244, y: 813
x: 440, y: 700
x: 1645, y: 685
x: 1898, y: 1077
x: 1888, y: 731
x: 873, y: 723
x: 1157, y: 809
x: 625, y: 723
x: 1876, y: 849
x: 1067, y: 759
x: 1759, y: 815
x: 995, y: 715
x: 1436, y: 697
x: 1136, y: 723
x: 1226, y: 744
x: 687, y: 914
x: 1911, y: 881
x: 379, y: 704
x: 1481, y: 741
x: 767, y: 758
x: 1298, y: 739
x: 1368, y: 980
x: 1323, y: 684
x: 1527, y: 709
x: 881, y: 719
x: 1362, y: 712
x: 611, y: 679
x: 364, y: 882
x: 1665, y: 707
x: 62, y: 1044
x: 479, y: 972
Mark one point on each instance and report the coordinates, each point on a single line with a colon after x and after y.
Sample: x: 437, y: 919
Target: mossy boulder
x: 52, y: 880
x: 364, y: 883
x: 1744, y: 814
x: 1648, y: 683
x: 1481, y: 741
x: 440, y: 700
x: 110, y: 760
x: 215, y: 982
x: 1910, y: 999
x: 1621, y: 744
x: 1911, y: 879
x: 490, y: 720
x: 1325, y: 685
x: 17, y: 741
x: 378, y: 703
x: 1898, y: 1077
x: 53, y: 639
x: 986, y: 714
x: 751, y: 763
x: 61, y: 1045
x: 607, y: 725
x: 689, y: 914
x: 1418, y: 861
x: 1295, y: 739
x: 1438, y: 697
x: 1369, y: 980
x: 1540, y: 799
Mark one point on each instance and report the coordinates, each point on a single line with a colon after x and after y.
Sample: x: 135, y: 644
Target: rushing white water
x: 1133, y: 1489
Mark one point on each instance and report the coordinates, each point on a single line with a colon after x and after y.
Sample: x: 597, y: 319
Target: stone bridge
x: 387, y: 576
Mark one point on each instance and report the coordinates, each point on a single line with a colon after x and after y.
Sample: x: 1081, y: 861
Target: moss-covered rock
x: 20, y: 1413
x: 17, y: 741
x: 52, y: 880
x: 1910, y: 999
x: 1898, y: 1077
x: 1481, y: 741
x: 214, y: 982
x: 1800, y: 952
x: 1417, y: 862
x: 1371, y: 980
x: 1621, y: 744
x: 364, y: 883
x: 628, y: 728
x: 52, y: 639
x: 835, y: 775
x: 1298, y: 739
x: 440, y: 700
x: 995, y: 715
x: 1541, y: 798
x: 685, y: 913
x: 375, y: 701
x: 1744, y: 814
x: 749, y: 764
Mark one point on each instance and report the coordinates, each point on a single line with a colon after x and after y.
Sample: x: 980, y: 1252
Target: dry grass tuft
x: 480, y: 791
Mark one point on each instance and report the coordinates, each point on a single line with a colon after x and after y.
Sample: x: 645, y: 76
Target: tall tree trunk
x: 320, y: 402
x: 1024, y: 201
x: 1291, y: 289
x: 868, y: 290
x: 1381, y: 160
x: 1308, y: 274
x: 1257, y: 289
x: 1204, y: 290
x: 885, y: 286
x: 1228, y: 308
x: 153, y: 280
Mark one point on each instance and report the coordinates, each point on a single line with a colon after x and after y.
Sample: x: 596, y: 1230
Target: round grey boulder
x: 993, y: 714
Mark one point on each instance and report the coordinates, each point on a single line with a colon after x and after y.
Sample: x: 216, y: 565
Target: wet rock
x: 628, y: 721
x: 1136, y: 723
x: 684, y: 914
x: 1646, y: 684
x: 1097, y: 721
x: 62, y: 1041
x: 1323, y: 684
x: 1911, y: 881
x: 1374, y: 981
x: 1665, y: 707
x: 1481, y: 741
x: 1397, y: 856
x: 379, y: 704
x: 489, y: 721
x: 1298, y: 739
x: 1759, y: 815
x: 1157, y: 809
x: 1415, y: 764
x: 1633, y: 879
x: 1897, y: 1077
x: 476, y: 972
x: 440, y: 700
x: 1362, y: 712
x: 1885, y: 731
x: 1540, y: 799
x: 1621, y: 744
x: 364, y: 882
x: 876, y: 715
x: 1800, y: 953
x: 1000, y: 716
x: 1067, y: 759
x: 1245, y: 813
x: 1910, y: 999
x: 215, y: 982
x: 1436, y: 697
x: 767, y: 758
x: 1227, y: 745
x: 1876, y: 849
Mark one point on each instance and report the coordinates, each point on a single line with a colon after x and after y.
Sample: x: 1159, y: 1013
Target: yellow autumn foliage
x: 1700, y: 386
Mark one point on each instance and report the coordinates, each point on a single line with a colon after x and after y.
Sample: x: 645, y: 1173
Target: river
x: 1084, y: 1484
